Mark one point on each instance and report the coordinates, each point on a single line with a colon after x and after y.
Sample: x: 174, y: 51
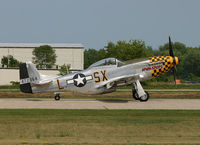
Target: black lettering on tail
x: 25, y: 85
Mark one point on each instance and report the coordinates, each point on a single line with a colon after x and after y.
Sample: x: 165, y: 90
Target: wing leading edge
x: 111, y: 82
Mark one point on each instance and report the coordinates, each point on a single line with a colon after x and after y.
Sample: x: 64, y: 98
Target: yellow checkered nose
x: 167, y: 63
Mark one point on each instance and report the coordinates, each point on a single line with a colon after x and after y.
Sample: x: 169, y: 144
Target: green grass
x: 9, y: 86
x: 155, y: 86
x: 172, y: 86
x: 146, y: 86
x: 15, y: 88
x: 33, y: 126
x: 166, y: 86
x: 9, y: 90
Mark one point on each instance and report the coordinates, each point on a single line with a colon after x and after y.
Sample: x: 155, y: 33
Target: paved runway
x: 182, y: 104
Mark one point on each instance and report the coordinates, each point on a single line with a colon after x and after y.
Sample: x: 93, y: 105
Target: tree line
x: 188, y: 69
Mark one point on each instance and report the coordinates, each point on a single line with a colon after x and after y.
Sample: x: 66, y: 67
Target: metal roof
x: 33, y: 45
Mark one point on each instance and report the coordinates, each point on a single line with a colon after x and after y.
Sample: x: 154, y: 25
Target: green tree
x: 128, y: 50
x: 90, y: 56
x: 178, y: 48
x: 191, y: 63
x: 44, y: 55
x: 64, y: 69
x: 122, y: 50
x: 102, y: 54
x: 11, y: 60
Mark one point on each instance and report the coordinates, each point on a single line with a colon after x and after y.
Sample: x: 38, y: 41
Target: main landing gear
x: 139, y: 93
x: 57, y: 97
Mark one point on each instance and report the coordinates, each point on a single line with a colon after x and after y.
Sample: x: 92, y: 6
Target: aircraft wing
x: 111, y: 82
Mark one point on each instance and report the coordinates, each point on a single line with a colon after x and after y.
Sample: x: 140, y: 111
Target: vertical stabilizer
x: 28, y: 74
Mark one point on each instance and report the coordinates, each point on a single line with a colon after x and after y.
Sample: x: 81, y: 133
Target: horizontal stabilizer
x: 43, y: 83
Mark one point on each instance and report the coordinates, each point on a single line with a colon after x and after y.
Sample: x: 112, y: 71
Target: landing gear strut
x: 139, y: 93
x: 57, y: 97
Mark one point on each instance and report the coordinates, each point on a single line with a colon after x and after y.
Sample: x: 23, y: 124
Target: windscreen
x: 107, y: 61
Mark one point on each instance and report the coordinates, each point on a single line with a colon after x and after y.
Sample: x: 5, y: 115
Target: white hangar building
x: 66, y: 53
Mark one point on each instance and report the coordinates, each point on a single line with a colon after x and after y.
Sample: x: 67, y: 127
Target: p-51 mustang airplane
x: 101, y: 77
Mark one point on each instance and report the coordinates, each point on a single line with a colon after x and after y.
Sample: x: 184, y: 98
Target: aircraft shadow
x: 102, y: 100
x: 34, y: 100
x: 113, y: 100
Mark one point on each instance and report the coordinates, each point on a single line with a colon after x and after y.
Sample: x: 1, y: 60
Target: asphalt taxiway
x: 180, y: 104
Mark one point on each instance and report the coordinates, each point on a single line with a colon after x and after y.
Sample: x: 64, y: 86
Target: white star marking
x: 79, y: 80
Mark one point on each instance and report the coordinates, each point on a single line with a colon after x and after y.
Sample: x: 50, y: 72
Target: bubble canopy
x: 107, y: 61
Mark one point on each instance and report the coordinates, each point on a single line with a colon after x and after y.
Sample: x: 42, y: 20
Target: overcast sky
x: 95, y: 22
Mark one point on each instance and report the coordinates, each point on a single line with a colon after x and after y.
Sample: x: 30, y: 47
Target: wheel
x: 135, y: 95
x: 145, y: 97
x: 57, y: 97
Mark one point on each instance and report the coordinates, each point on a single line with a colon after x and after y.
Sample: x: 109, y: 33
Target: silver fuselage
x: 96, y: 78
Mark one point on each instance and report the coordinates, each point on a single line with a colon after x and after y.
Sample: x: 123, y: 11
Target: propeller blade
x: 172, y: 55
x: 170, y: 48
x: 174, y: 73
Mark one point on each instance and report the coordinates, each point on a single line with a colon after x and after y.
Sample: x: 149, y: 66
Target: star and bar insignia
x: 79, y: 80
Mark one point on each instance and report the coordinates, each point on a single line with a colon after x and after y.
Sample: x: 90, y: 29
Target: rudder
x: 25, y: 85
x: 28, y: 74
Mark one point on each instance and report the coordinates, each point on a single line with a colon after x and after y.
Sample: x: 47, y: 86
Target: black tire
x: 135, y: 95
x: 57, y: 97
x: 146, y: 98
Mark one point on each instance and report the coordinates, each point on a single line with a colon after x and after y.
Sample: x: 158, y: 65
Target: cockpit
x: 107, y: 61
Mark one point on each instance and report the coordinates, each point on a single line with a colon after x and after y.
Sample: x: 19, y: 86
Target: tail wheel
x: 135, y: 95
x: 145, y: 97
x: 57, y: 97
